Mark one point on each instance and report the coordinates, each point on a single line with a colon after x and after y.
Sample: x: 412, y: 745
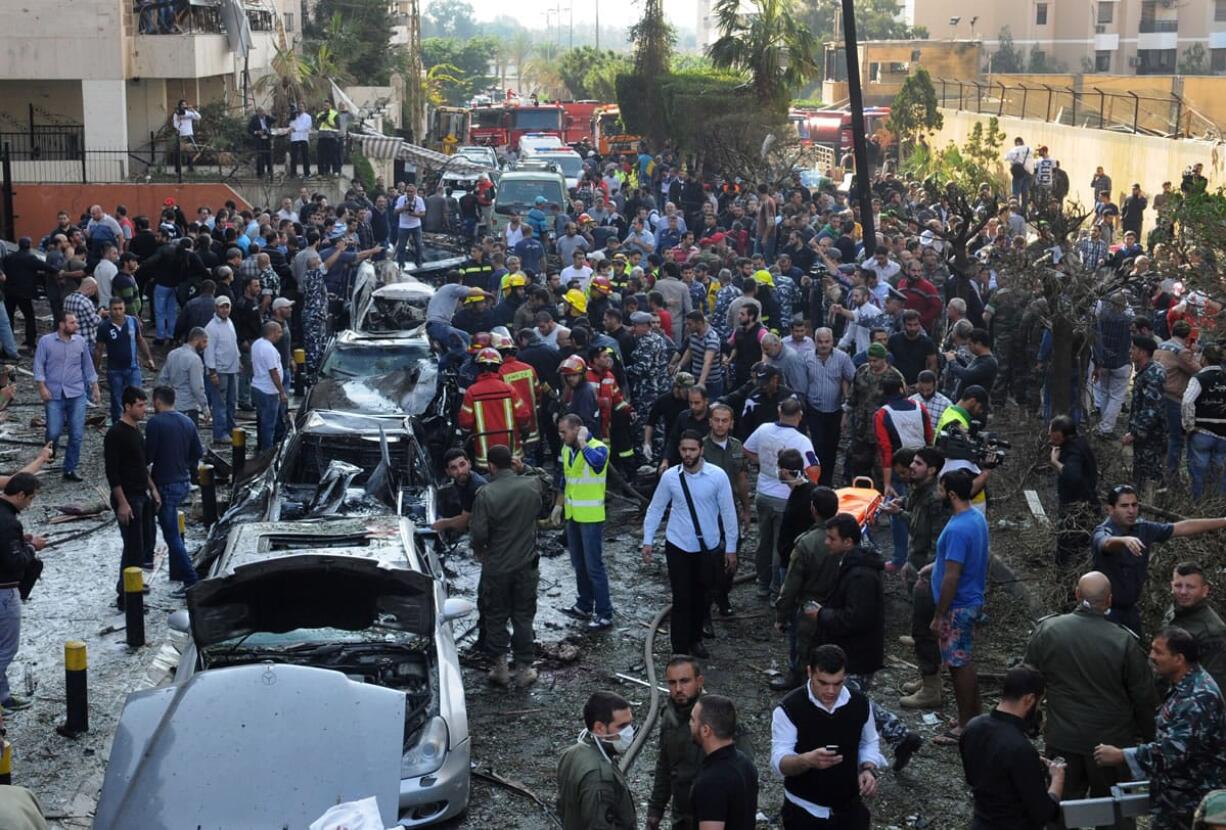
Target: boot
x: 928, y: 697
x: 913, y: 686
x: 500, y: 675
x: 525, y: 676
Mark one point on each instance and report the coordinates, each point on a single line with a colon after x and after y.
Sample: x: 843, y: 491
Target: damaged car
x: 321, y: 667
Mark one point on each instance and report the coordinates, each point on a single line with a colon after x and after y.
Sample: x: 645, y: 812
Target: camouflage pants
x: 1149, y: 459
x: 889, y: 726
x: 509, y: 597
x: 1008, y: 372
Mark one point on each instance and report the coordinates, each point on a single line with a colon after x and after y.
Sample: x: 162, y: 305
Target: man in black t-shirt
x: 457, y: 500
x: 134, y: 496
x: 726, y: 789
x: 913, y: 350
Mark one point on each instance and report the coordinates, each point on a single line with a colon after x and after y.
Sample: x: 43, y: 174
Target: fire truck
x: 832, y: 128
x: 502, y: 125
x: 609, y: 135
x: 577, y: 122
x: 448, y: 128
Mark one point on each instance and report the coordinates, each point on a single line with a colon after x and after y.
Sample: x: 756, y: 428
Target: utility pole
x: 859, y: 139
x: 572, y: 24
x: 597, y: 3
x: 414, y: 97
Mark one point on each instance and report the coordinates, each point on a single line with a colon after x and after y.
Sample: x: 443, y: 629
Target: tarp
x: 391, y: 147
x: 238, y: 28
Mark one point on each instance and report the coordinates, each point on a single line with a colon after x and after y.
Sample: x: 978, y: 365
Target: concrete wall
x: 55, y: 102
x: 49, y: 41
x: 35, y: 206
x: 1127, y: 158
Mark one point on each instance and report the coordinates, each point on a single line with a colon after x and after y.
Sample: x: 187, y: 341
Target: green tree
x: 1007, y: 57
x: 1194, y: 61
x: 357, y: 34
x: 914, y: 112
x: 467, y: 63
x: 575, y: 64
x: 771, y: 45
x: 449, y: 18
x: 653, y: 40
x: 875, y: 20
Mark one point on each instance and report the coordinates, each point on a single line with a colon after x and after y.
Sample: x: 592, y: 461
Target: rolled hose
x: 653, y: 710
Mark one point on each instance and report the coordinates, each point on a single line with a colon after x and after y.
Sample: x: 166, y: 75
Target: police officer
x: 1099, y: 687
x: 503, y: 534
x: 679, y: 759
x: 647, y: 370
x: 1188, y: 754
x: 329, y: 145
x: 1147, y: 415
x: 1192, y: 612
x: 592, y: 792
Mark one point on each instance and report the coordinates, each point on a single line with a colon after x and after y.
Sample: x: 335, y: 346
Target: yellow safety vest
x: 955, y: 414
x: 328, y: 122
x: 585, y: 488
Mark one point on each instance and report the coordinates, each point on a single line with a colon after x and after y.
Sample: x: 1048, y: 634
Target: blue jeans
x: 900, y: 528
x: 270, y: 425
x: 1206, y: 452
x: 1174, y: 435
x: 715, y: 388
x: 404, y: 235
x: 583, y: 540
x: 117, y: 380
x: 181, y: 568
x: 453, y: 340
x: 222, y: 399
x: 7, y: 341
x: 10, y: 635
x: 166, y: 307
x: 70, y: 411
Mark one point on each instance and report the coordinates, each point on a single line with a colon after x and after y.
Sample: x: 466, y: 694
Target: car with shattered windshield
x: 321, y: 667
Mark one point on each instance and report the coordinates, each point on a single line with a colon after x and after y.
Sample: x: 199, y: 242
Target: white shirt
x: 184, y: 123
x: 300, y: 127
x: 551, y: 339
x: 265, y: 359
x: 1020, y: 154
x: 860, y: 330
x: 767, y: 442
x: 885, y: 273
x: 514, y: 234
x: 407, y: 220
x: 783, y: 743
x: 583, y: 274
x: 286, y: 213
x: 104, y: 273
x: 221, y: 354
x: 711, y: 493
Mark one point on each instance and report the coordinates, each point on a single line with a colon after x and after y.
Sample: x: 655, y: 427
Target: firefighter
x: 578, y: 394
x: 531, y: 389
x: 615, y: 410
x: 492, y: 412
x: 469, y: 369
x: 600, y: 292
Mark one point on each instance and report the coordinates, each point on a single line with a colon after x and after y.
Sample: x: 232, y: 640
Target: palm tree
x: 519, y: 51
x: 773, y: 46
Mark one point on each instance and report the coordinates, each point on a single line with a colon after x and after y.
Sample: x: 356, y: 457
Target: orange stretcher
x: 861, y: 500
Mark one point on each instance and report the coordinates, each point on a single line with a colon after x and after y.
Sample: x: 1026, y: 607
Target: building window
x: 1217, y: 61
x: 1155, y: 61
x: 1106, y: 12
x: 1219, y: 11
x: 1040, y: 14
x: 288, y: 17
x: 1102, y: 61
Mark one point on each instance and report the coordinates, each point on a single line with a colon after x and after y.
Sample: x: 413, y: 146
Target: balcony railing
x: 1153, y: 26
x: 177, y: 17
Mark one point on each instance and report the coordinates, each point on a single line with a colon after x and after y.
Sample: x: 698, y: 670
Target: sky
x: 532, y: 12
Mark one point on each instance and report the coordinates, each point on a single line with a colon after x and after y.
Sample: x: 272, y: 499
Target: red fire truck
x: 578, y: 120
x: 502, y: 125
x: 832, y: 128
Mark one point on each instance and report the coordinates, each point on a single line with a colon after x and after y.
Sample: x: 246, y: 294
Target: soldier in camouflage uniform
x: 647, y: 371
x: 502, y: 528
x: 679, y: 758
x: 314, y: 316
x: 1005, y: 311
x: 723, y: 301
x: 1029, y: 338
x: 788, y: 297
x: 1187, y: 757
x: 1147, y: 417
x: 863, y: 402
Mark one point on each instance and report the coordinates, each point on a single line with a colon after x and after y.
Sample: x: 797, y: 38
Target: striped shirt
x: 826, y: 379
x: 936, y: 406
x: 699, y: 345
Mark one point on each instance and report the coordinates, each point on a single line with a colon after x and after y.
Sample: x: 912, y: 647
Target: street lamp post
x: 859, y: 140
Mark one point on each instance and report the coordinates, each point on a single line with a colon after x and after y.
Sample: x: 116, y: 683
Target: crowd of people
x: 720, y: 355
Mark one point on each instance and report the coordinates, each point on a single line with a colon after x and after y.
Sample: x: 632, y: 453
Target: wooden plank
x: 1036, y: 507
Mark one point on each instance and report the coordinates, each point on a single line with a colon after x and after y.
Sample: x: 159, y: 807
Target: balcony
x: 193, y: 38
x: 1155, y: 25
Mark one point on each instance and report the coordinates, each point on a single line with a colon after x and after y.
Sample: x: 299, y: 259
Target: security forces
x: 592, y: 792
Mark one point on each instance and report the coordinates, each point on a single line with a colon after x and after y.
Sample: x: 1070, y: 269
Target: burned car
x: 321, y: 667
x: 393, y: 373
x: 395, y: 307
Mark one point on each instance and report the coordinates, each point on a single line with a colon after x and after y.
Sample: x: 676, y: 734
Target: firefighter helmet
x: 481, y: 340
x: 573, y: 365
x: 488, y: 357
x: 501, y: 342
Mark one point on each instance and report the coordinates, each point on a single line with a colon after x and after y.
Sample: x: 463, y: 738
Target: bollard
x: 6, y: 764
x: 299, y: 372
x: 208, y: 494
x: 238, y: 442
x: 134, y: 605
x: 182, y: 523
x: 76, y: 690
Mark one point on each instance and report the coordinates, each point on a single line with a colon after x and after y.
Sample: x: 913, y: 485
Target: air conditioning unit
x: 1100, y: 30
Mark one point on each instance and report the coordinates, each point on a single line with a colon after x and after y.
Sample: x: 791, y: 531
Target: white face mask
x: 625, y: 737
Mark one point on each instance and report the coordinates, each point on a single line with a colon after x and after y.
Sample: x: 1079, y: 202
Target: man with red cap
x: 493, y: 412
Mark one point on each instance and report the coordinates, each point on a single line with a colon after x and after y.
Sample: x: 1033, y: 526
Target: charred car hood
x: 253, y: 746
x: 285, y: 593
x: 402, y: 392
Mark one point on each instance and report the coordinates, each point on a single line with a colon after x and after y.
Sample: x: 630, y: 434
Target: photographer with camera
x: 184, y: 120
x: 964, y: 447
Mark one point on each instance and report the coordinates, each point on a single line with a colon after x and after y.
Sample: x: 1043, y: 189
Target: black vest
x: 838, y: 786
x: 1211, y: 404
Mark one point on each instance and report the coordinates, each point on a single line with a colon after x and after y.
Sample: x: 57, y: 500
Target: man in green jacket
x: 1100, y: 689
x: 502, y: 528
x: 1192, y: 612
x: 810, y: 578
x: 680, y: 759
x: 592, y: 792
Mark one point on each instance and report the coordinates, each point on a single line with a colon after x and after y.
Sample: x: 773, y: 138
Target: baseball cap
x: 168, y: 201
x: 282, y: 302
x: 222, y: 300
x: 643, y: 317
x: 878, y: 350
x: 764, y: 372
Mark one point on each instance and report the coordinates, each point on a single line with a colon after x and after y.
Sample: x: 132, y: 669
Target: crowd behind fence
x: 1091, y: 108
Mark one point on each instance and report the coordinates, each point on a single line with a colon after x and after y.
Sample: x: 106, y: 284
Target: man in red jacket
x: 493, y: 412
x: 523, y: 379
x: 921, y: 295
x: 615, y: 410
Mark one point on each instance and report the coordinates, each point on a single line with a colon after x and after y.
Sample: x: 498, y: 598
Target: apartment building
x: 1141, y: 37
x: 104, y: 74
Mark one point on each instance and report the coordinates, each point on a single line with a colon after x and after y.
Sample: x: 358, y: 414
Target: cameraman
x: 184, y: 120
x: 971, y: 408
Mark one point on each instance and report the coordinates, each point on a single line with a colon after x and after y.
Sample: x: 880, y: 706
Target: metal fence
x: 1092, y: 108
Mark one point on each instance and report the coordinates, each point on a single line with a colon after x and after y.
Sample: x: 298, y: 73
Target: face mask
x: 625, y: 737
